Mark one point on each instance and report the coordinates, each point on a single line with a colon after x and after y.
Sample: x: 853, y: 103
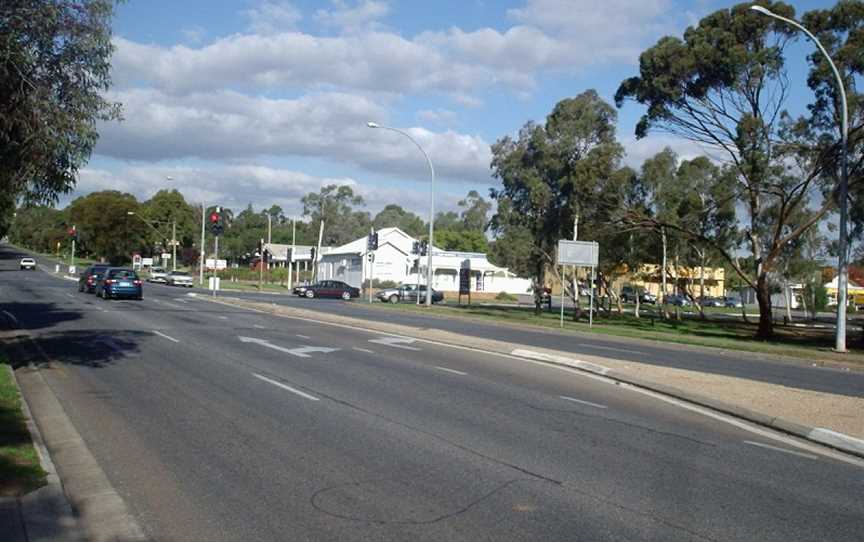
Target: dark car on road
x: 300, y: 289
x: 89, y: 277
x: 117, y: 282
x: 408, y: 293
x: 332, y: 288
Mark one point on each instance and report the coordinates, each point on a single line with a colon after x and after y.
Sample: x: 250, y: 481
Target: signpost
x: 465, y: 280
x: 578, y: 254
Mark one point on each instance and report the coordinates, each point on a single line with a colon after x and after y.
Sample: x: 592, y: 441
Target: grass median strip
x: 20, y: 470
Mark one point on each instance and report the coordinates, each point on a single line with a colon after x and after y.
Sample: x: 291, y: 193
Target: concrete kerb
x: 588, y: 364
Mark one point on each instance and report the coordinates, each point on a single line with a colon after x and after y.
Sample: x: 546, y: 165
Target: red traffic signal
x: 214, y: 217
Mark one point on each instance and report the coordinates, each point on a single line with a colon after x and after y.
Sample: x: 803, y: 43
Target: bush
x: 504, y: 296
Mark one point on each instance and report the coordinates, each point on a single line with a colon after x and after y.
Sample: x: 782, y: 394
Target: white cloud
x: 351, y: 19
x: 193, y: 35
x: 227, y: 125
x: 273, y: 17
x: 439, y: 116
x: 639, y: 150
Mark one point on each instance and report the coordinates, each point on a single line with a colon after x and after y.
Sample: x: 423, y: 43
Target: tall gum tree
x: 724, y: 85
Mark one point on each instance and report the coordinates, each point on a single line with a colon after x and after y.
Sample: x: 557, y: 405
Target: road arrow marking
x: 395, y: 342
x: 302, y: 352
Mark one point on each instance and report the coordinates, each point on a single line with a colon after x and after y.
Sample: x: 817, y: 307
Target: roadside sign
x: 147, y: 262
x: 166, y: 255
x: 581, y: 253
x: 465, y: 280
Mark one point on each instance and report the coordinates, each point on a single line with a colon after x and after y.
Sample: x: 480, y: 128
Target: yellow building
x: 678, y: 280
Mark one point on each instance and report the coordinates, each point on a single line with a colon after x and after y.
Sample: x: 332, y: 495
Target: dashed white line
x: 366, y: 350
x: 778, y: 449
x: 69, y: 295
x: 304, y: 336
x: 164, y: 336
x: 258, y: 326
x: 581, y: 402
x: 454, y: 371
x: 284, y: 387
x: 11, y: 317
x: 223, y: 317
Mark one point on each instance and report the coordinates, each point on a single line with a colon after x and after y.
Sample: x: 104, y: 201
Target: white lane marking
x: 581, y: 402
x: 454, y: 371
x: 396, y: 342
x: 611, y: 348
x: 258, y: 326
x: 304, y: 336
x: 302, y: 352
x: 154, y: 300
x: 223, y: 317
x: 777, y: 449
x: 69, y: 295
x: 181, y: 300
x: 725, y: 418
x: 572, y: 362
x: 284, y: 387
x: 11, y: 317
x: 165, y: 336
x: 366, y: 350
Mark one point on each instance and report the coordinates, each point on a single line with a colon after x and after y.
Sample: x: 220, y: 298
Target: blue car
x: 117, y: 282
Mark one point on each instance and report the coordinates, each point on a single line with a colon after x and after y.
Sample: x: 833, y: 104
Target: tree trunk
x: 676, y: 289
x: 663, y: 311
x: 702, y: 284
x: 636, y: 310
x: 763, y: 297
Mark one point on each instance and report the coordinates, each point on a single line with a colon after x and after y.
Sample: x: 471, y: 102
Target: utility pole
x: 261, y: 267
x: 269, y: 228
x: 370, y: 255
x: 174, y: 245
x: 290, y: 261
x: 72, y: 255
x: 318, y: 252
x: 201, y: 261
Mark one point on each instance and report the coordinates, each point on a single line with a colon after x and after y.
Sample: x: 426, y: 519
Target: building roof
x: 280, y: 252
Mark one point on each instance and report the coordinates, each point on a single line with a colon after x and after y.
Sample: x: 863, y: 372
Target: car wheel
x: 393, y: 299
x: 346, y: 296
x: 310, y: 294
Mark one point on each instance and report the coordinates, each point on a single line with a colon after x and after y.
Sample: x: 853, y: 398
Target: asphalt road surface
x: 217, y: 423
x: 795, y: 374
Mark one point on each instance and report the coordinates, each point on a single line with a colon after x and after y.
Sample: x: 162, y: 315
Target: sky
x: 261, y: 102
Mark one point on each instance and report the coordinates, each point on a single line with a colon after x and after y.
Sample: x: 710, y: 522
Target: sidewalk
x: 826, y: 418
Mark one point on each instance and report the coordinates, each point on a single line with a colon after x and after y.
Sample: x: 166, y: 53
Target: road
x: 216, y: 423
x: 794, y: 374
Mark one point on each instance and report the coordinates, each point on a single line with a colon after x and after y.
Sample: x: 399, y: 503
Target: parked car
x: 117, y: 282
x: 712, y: 301
x: 678, y: 300
x: 89, y: 277
x: 300, y: 289
x: 331, y: 288
x: 408, y: 293
x: 179, y: 278
x: 28, y: 263
x: 732, y: 302
x: 158, y: 274
x: 647, y: 298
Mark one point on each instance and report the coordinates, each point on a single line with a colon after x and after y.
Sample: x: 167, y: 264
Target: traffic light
x: 375, y: 241
x: 415, y: 248
x: 424, y: 247
x: 312, y: 255
x: 216, y: 224
x: 73, y: 233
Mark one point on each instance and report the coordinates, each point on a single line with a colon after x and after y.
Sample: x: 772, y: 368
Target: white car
x: 28, y: 263
x: 179, y: 278
x: 157, y: 274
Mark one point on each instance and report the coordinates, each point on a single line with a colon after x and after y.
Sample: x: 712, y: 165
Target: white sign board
x: 581, y: 253
x: 166, y: 255
x: 210, y: 263
x: 221, y: 264
x: 147, y: 262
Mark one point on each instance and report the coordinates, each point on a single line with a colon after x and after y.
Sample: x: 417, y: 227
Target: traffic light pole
x: 215, y: 260
x: 174, y: 245
x: 201, y: 267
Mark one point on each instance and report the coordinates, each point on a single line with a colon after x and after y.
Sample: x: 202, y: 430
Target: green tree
x: 164, y: 209
x: 461, y: 240
x: 54, y: 71
x: 39, y: 228
x: 394, y: 216
x: 105, y: 228
x: 334, y: 204
x: 724, y: 85
x: 475, y: 214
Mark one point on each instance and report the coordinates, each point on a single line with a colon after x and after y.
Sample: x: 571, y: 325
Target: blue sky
x: 263, y: 101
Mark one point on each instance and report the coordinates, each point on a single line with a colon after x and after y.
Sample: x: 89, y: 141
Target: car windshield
x: 122, y: 274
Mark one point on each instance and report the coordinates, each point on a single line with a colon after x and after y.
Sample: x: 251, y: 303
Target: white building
x: 394, y: 262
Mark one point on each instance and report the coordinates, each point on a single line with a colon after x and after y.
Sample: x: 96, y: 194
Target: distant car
x: 89, y: 277
x: 732, y: 302
x: 158, y: 274
x: 332, y: 288
x: 408, y: 293
x: 712, y: 302
x: 678, y: 300
x: 179, y: 278
x: 648, y: 298
x: 117, y: 282
x: 28, y: 263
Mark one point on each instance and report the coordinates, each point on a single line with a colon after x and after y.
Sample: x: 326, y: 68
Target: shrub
x: 504, y: 296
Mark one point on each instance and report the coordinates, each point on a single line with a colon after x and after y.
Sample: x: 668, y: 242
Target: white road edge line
x: 165, y: 336
x: 359, y: 349
x: 284, y: 387
x: 454, y: 371
x: 304, y: 337
x: 581, y: 402
x: 777, y: 449
x: 731, y: 420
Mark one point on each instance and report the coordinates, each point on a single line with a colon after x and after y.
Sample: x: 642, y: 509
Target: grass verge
x: 252, y: 287
x: 799, y: 342
x: 20, y: 470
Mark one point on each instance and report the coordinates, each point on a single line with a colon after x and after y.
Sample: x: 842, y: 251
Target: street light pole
x: 173, y: 245
x: 842, y: 259
x: 431, y: 208
x: 201, y: 259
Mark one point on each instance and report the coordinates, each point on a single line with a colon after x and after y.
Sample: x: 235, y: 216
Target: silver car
x: 28, y: 263
x: 157, y: 274
x: 179, y: 278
